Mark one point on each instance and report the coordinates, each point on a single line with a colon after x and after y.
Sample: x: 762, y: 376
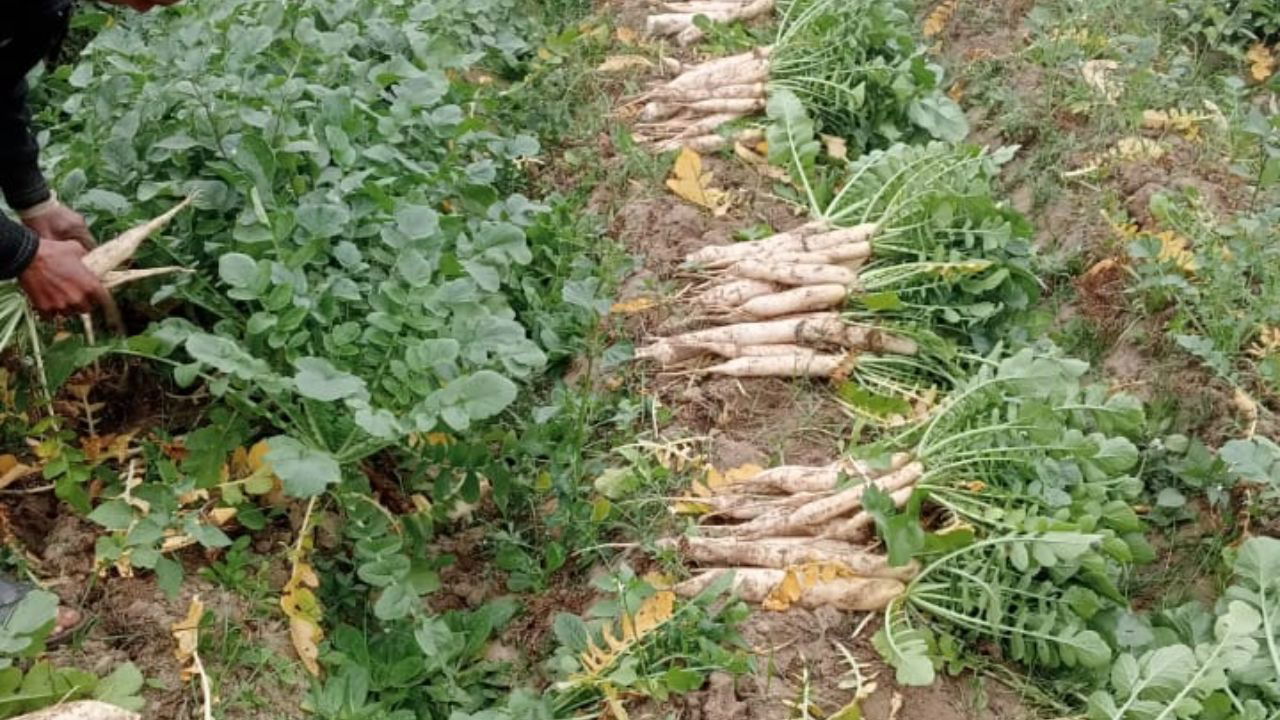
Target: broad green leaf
x: 304, y: 472
x: 318, y: 379
x: 113, y: 515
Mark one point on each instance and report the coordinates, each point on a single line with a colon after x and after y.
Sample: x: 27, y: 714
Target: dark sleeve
x: 17, y: 248
x: 21, y: 181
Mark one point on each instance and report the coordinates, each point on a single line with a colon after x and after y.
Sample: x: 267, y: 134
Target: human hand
x: 60, y: 222
x: 141, y: 5
x: 57, y: 281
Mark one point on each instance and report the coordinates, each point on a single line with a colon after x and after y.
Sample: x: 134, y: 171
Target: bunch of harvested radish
x: 773, y: 301
x: 797, y: 535
x: 688, y: 110
x: 678, y: 18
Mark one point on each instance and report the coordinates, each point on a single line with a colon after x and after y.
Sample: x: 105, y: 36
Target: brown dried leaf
x: 623, y: 63
x: 186, y: 633
x: 936, y: 21
x: 1097, y: 75
x: 836, y: 146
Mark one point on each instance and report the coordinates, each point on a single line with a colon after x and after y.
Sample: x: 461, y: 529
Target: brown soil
x: 128, y: 620
x: 800, y: 658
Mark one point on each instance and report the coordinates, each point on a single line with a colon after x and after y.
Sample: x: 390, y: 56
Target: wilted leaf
x: 1098, y: 75
x: 627, y: 36
x: 11, y: 470
x: 936, y: 21
x: 800, y: 578
x: 716, y: 479
x: 836, y: 146
x: 634, y: 627
x: 623, y: 63
x: 691, y: 183
x: 186, y: 632
x: 631, y: 307
x: 1262, y: 62
x: 303, y: 609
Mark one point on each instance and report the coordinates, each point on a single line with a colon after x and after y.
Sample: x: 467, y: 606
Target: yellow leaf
x: 659, y: 580
x: 936, y: 21
x: 627, y: 36
x: 302, y: 607
x: 1173, y: 249
x: 623, y: 63
x: 651, y: 615
x: 690, y: 507
x: 1262, y: 62
x: 439, y: 438
x: 186, y: 633
x: 691, y: 183
x: 800, y: 578
x: 1136, y: 149
x: 631, y: 307
x: 11, y: 470
x: 306, y: 636
x: 836, y: 146
x: 716, y: 479
x: 653, y: 612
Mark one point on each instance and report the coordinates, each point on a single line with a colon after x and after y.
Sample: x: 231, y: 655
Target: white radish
x: 807, y: 518
x: 112, y: 254
x: 705, y: 143
x: 729, y: 350
x: 862, y: 233
x: 703, y: 6
x: 733, y: 294
x: 817, y: 327
x: 795, y: 300
x: 741, y: 507
x: 795, y: 274
x: 115, y: 278
x: 676, y: 95
x: 655, y: 111
x: 787, y: 366
x: 837, y: 255
x: 784, y: 552
x: 755, y: 585
x: 712, y: 106
x: 873, y: 339
x: 810, y: 238
x: 790, y: 479
x: 721, y: 255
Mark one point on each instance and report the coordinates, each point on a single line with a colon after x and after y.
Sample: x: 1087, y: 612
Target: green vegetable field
x: 688, y: 360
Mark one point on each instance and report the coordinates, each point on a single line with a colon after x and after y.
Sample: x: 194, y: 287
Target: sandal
x: 11, y: 596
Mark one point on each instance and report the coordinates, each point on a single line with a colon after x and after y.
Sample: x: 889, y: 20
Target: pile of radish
x: 689, y: 110
x: 773, y: 305
x: 798, y: 530
x: 677, y: 19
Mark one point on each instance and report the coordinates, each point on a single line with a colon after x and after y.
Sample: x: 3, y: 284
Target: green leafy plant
x: 859, y: 68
